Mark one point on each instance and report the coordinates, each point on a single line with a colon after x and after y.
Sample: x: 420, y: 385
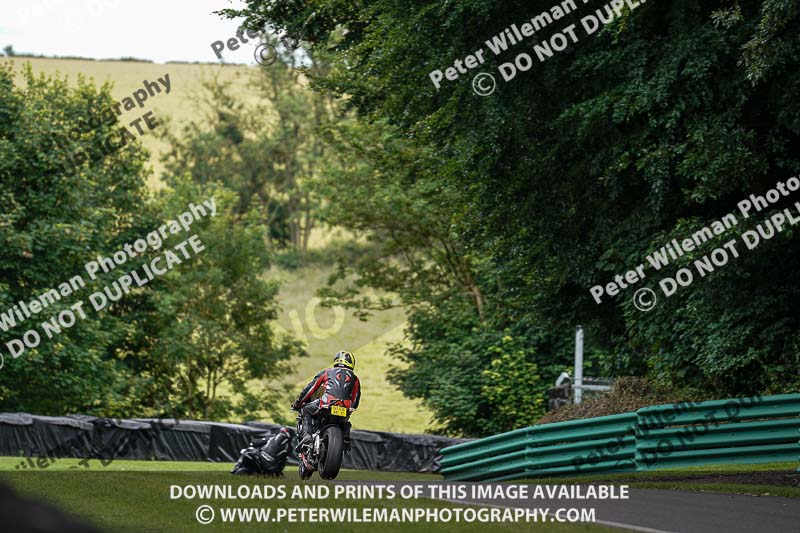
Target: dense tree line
x: 492, y: 217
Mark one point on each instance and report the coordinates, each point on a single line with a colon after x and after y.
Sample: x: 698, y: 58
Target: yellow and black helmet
x: 345, y: 359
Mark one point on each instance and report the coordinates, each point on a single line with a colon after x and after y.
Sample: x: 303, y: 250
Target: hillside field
x: 325, y: 331
x: 127, y: 76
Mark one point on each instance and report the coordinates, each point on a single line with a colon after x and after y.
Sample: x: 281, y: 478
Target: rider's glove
x: 296, y: 406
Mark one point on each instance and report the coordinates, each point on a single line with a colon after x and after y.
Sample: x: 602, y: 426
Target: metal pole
x: 578, y: 364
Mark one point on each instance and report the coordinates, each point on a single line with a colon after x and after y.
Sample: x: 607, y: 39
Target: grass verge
x: 730, y: 478
x: 125, y: 497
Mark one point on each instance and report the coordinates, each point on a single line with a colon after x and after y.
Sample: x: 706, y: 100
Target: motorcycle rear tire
x: 331, y: 460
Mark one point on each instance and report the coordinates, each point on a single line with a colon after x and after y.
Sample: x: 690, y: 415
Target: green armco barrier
x: 785, y: 405
x: 503, y: 443
x: 743, y: 430
x: 545, y: 449
x: 747, y: 430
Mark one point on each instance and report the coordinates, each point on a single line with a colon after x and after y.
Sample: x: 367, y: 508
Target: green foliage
x: 132, y: 59
x: 773, y: 43
x: 570, y: 174
x: 268, y: 153
x: 510, y: 384
x: 289, y: 259
x: 476, y: 377
x: 166, y: 347
x: 50, y: 225
x: 445, y: 371
x: 215, y: 312
x: 384, y: 190
x: 627, y: 394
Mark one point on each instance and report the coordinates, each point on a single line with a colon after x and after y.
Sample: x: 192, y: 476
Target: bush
x: 289, y: 259
x: 626, y: 395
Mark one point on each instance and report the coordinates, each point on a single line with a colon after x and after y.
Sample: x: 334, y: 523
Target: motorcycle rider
x: 337, y: 384
x: 265, y: 457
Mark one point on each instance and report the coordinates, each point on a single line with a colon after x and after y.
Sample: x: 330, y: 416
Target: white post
x: 578, y: 364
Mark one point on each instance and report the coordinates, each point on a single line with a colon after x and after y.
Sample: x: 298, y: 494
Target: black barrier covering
x: 227, y: 440
x: 366, y: 451
x: 189, y: 440
x: 420, y: 452
x: 57, y: 436
x: 44, y: 436
x: 179, y: 440
x: 115, y: 438
x: 15, y: 434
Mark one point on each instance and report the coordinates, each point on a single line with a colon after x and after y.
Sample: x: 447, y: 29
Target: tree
x: 50, y: 225
x: 214, y: 314
x: 383, y: 188
x: 167, y: 347
x: 269, y: 153
x: 575, y: 170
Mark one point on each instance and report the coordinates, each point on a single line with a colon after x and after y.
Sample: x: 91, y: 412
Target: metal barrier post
x: 578, y: 364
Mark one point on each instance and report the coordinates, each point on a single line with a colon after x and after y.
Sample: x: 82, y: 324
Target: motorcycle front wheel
x: 330, y: 460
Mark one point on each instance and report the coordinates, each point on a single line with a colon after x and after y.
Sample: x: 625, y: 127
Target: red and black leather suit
x: 334, y: 386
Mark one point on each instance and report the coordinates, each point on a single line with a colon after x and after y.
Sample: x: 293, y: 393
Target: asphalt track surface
x: 657, y: 511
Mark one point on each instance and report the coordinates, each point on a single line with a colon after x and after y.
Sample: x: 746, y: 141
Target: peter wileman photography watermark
x: 117, y: 139
x: 712, y: 417
x: 484, y: 84
x: 162, y: 263
x: 579, y: 497
x: 265, y: 54
x: 645, y: 298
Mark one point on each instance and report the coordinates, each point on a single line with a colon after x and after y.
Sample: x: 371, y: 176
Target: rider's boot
x: 307, y: 438
x: 304, y: 442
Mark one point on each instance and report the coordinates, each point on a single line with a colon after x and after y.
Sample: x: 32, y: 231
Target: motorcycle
x: 255, y: 461
x: 330, y: 440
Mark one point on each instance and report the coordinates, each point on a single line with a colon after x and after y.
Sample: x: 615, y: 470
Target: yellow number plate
x: 338, y: 410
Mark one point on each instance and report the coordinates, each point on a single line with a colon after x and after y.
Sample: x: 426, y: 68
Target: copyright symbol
x: 265, y: 54
x: 644, y: 299
x: 483, y: 84
x: 2, y: 360
x: 204, y: 514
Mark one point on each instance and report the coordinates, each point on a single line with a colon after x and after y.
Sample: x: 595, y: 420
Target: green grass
x: 125, y: 496
x: 67, y: 464
x: 9, y: 464
x: 688, y: 470
x: 730, y: 488
x: 135, y: 495
x: 383, y: 406
x: 656, y: 479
